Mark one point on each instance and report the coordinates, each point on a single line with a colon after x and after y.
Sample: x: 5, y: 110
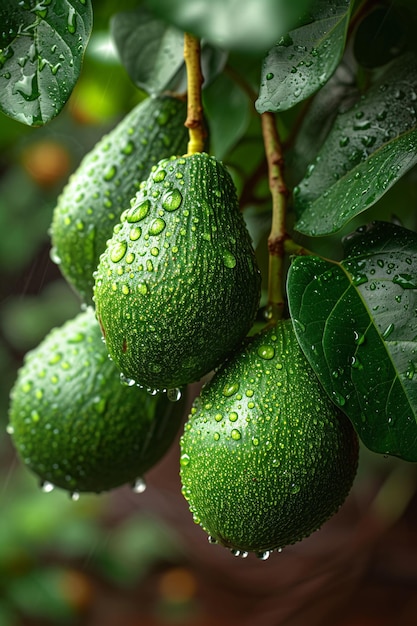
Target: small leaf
x: 356, y: 323
x: 152, y: 52
x: 305, y: 58
x: 251, y: 26
x: 41, y: 51
x: 369, y: 147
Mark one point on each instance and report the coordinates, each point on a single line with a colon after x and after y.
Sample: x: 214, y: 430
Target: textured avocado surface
x: 72, y: 421
x: 178, y: 286
x: 105, y: 182
x: 266, y: 458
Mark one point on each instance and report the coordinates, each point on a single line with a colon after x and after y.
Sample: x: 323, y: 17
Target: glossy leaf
x: 356, y: 322
x: 152, y: 52
x: 305, y: 58
x: 368, y: 149
x: 41, y: 50
x: 252, y: 26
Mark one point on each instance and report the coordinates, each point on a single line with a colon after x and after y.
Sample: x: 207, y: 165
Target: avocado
x: 106, y: 180
x: 74, y: 423
x: 178, y: 286
x: 266, y: 457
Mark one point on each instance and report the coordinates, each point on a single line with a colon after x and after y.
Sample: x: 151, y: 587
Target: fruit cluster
x: 156, y: 241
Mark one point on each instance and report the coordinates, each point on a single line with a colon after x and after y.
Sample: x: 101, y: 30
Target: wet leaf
x: 251, y: 26
x: 369, y: 147
x: 41, y: 52
x: 152, y: 51
x: 356, y: 322
x: 305, y: 58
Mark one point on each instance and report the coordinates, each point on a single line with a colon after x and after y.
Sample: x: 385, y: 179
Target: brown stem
x: 195, y: 117
x: 278, y: 234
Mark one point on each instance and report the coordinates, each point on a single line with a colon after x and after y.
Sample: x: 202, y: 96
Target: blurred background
x: 130, y: 559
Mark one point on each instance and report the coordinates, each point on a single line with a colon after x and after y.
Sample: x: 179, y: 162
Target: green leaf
x: 305, y: 58
x: 369, y: 147
x: 356, y: 322
x: 41, y: 50
x: 152, y: 52
x: 251, y: 26
x: 227, y: 109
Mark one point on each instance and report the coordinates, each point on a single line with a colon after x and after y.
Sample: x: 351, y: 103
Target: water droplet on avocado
x: 139, y: 486
x: 184, y: 460
x: 174, y: 394
x: 235, y: 434
x: 159, y: 176
x: 135, y: 233
x: 230, y: 389
x: 229, y: 260
x: 171, y: 200
x: 75, y: 496
x: 266, y: 352
x: 233, y: 416
x: 157, y: 226
x: 295, y: 489
x: 211, y: 540
x: 138, y: 213
x: 263, y: 556
x: 47, y: 487
x: 118, y: 251
x: 126, y: 381
x: 55, y: 258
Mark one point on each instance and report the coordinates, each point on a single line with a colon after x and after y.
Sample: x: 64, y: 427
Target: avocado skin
x: 75, y: 425
x: 173, y: 305
x: 106, y: 180
x: 266, y: 458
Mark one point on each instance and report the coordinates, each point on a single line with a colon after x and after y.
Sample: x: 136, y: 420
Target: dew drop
x: 266, y: 352
x: 118, y: 251
x: 47, y: 487
x: 388, y: 331
x: 138, y: 213
x: 340, y: 400
x: 157, y: 226
x: 406, y: 281
x: 411, y: 370
x: 9, y: 429
x: 75, y: 496
x: 159, y: 176
x: 269, y: 76
x: 230, y: 389
x: 171, y: 201
x: 211, y: 540
x: 229, y: 260
x: 263, y: 556
x: 54, y: 256
x: 184, y: 460
x: 139, y: 486
x: 126, y: 381
x: 235, y: 434
x: 174, y: 394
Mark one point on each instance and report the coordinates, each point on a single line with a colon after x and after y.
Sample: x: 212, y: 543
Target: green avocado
x: 178, y: 286
x: 266, y: 458
x: 72, y: 421
x: 106, y: 180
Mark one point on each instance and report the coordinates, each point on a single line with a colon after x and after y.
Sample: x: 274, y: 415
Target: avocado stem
x: 195, y: 117
x: 278, y: 233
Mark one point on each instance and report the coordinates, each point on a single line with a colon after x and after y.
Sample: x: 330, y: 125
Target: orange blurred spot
x: 177, y: 585
x: 47, y: 162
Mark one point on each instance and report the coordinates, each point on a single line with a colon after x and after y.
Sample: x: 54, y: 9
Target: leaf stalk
x: 195, y: 117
